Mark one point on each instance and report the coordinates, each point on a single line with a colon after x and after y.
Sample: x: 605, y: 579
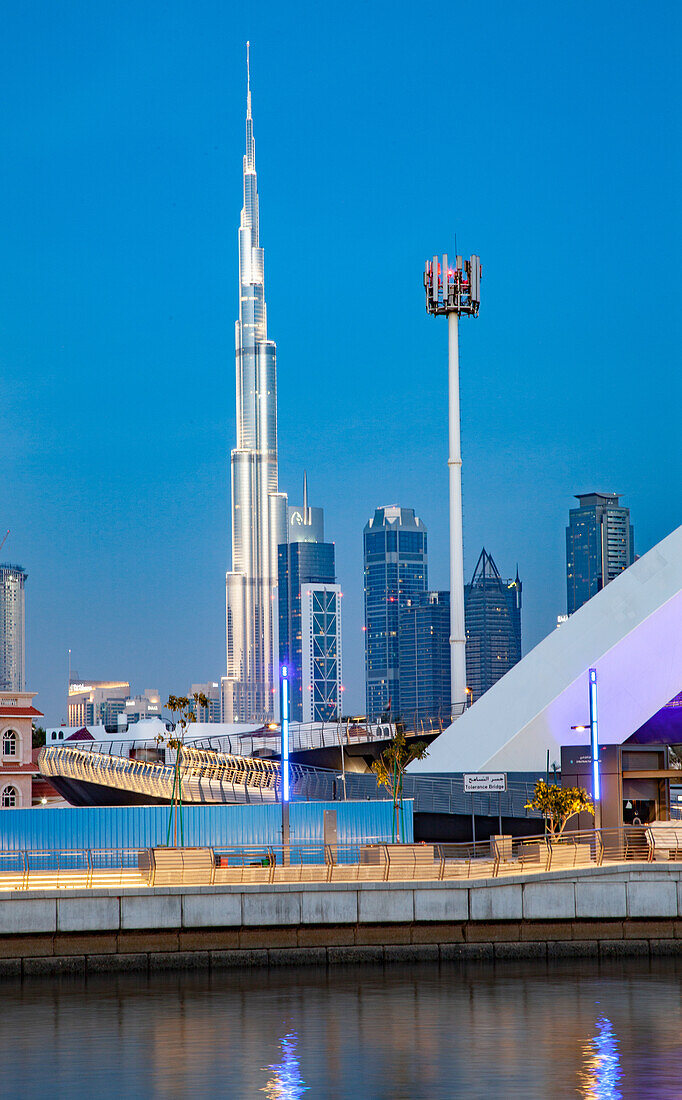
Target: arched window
x: 9, y: 743
x: 9, y: 798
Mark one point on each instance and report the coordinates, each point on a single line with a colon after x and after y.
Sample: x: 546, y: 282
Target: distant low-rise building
x: 17, y: 768
x: 139, y: 707
x: 211, y: 690
x: 96, y: 702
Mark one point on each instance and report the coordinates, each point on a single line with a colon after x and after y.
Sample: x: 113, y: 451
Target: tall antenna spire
x: 305, y: 497
x: 248, y: 82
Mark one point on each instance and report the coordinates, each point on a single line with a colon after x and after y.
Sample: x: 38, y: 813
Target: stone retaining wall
x: 596, y: 912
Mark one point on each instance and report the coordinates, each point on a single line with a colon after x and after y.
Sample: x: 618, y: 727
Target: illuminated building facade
x: 259, y: 515
x: 12, y: 628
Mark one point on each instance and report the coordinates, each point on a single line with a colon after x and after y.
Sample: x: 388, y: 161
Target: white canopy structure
x: 631, y: 632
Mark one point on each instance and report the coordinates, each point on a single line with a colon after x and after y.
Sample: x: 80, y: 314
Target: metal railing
x: 367, y: 861
x: 214, y: 777
x: 206, y: 776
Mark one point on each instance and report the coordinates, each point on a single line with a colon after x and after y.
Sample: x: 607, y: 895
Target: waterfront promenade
x: 619, y: 909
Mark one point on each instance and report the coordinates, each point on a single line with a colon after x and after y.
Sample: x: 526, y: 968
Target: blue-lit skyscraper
x: 309, y: 616
x: 600, y: 544
x: 258, y: 510
x: 395, y: 556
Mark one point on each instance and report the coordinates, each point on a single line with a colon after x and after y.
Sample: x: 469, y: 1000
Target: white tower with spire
x: 259, y: 516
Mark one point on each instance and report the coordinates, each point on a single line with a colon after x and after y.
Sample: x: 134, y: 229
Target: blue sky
x: 546, y: 136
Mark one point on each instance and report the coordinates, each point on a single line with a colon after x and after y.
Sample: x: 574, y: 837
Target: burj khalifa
x: 258, y: 509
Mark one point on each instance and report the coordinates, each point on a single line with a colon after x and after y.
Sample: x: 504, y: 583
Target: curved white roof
x: 631, y: 632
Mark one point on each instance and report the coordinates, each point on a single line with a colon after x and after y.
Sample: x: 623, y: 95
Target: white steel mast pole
x: 457, y: 632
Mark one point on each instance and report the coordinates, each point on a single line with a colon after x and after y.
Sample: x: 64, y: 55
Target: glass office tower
x: 12, y: 626
x: 424, y: 658
x: 492, y: 616
x: 600, y: 544
x: 396, y: 570
x: 310, y: 616
x: 258, y: 510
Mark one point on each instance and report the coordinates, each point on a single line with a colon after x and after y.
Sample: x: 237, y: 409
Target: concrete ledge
x: 298, y: 956
x: 106, y: 964
x: 496, y: 902
x: 153, y: 911
x: 549, y: 901
x: 573, y: 949
x: 380, y: 906
x: 600, y: 899
x: 441, y: 905
x: 474, y: 952
x: 211, y: 910
x: 271, y: 908
x: 84, y: 914
x: 222, y: 959
x: 329, y: 907
x: 652, y: 899
x: 28, y: 915
x: 496, y: 951
x: 616, y: 949
x: 179, y: 960
x: 65, y: 964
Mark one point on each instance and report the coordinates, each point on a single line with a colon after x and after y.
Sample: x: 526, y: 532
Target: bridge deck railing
x: 370, y: 861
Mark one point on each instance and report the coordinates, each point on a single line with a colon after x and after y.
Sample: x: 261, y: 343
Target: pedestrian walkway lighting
x: 284, y: 756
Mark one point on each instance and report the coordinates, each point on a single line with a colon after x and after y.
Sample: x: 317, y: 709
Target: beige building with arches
x: 17, y: 769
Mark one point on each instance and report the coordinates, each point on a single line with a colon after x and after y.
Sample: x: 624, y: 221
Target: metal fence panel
x: 203, y: 826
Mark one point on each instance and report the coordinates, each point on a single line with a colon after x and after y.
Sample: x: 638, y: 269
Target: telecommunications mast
x: 454, y: 291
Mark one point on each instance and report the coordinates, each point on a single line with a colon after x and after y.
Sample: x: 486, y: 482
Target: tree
x: 38, y: 737
x: 186, y: 707
x: 390, y: 767
x: 559, y: 804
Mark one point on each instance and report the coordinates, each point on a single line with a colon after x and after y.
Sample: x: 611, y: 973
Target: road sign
x: 485, y: 781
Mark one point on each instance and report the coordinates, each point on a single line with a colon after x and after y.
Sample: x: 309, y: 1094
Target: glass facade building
x: 12, y: 628
x: 492, y: 616
x: 310, y: 629
x: 424, y: 658
x: 600, y: 544
x: 396, y: 570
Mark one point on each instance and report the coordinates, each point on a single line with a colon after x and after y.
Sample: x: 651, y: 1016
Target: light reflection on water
x: 602, y: 1073
x: 286, y: 1082
x: 518, y: 1031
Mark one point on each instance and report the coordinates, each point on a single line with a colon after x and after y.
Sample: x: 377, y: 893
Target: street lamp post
x: 594, y: 746
x: 284, y: 761
x: 594, y: 742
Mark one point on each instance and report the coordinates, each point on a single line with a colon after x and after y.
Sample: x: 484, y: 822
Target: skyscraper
x: 492, y: 614
x: 310, y: 616
x: 600, y: 544
x: 258, y: 509
x: 396, y: 570
x: 12, y: 628
x: 424, y: 652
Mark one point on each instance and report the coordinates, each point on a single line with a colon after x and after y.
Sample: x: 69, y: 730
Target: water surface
x: 578, y: 1029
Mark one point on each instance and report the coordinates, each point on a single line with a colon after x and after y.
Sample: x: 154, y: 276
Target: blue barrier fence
x: 103, y: 827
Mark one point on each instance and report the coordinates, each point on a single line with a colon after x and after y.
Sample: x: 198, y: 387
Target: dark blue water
x: 514, y: 1030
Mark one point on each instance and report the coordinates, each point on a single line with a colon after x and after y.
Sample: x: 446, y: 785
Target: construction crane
x: 5, y: 539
